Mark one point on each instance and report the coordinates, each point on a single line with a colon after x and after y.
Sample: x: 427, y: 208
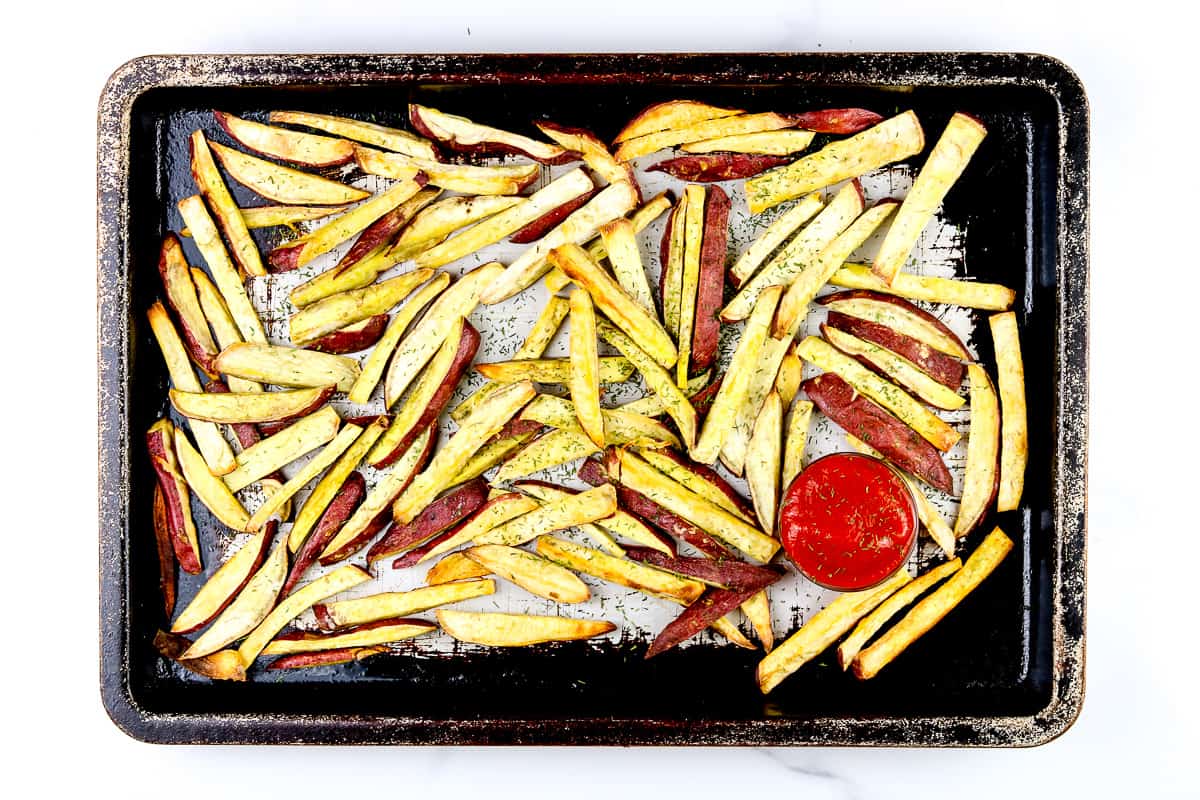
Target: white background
x: 1137, y: 730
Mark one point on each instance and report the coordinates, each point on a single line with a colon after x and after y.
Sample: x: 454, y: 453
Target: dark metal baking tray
x: 1006, y: 668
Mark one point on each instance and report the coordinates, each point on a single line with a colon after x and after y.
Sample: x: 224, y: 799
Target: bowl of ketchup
x: 848, y: 521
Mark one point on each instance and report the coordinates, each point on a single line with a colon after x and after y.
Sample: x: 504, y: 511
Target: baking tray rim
x: 138, y: 76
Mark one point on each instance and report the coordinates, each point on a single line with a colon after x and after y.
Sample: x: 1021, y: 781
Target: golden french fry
x: 896, y: 367
x: 569, y: 511
x: 283, y: 184
x: 983, y: 452
x: 386, y: 605
x: 632, y: 148
x: 211, y: 490
x: 672, y: 280
x: 454, y: 567
x: 287, y: 366
x: 491, y: 454
x: 1014, y: 442
x: 532, y: 573
x: 626, y: 259
x: 763, y: 459
x: 466, y: 178
x: 393, y: 139
x: 584, y: 380
x: 657, y: 379
x: 672, y: 115
x: 229, y: 216
x: 694, y: 482
x: 652, y: 405
x: 252, y: 605
x: 346, y: 308
x: 433, y: 224
x: 621, y: 523
x: 758, y: 610
x: 233, y: 407
x: 329, y: 454
x: 223, y: 327
x: 495, y: 512
x: 631, y: 574
x: 774, y: 235
x: 651, y: 210
x: 269, y: 454
x: 693, y: 236
x: 791, y: 375
x: 621, y: 427
x: 986, y: 296
x: 794, y: 441
x: 613, y: 369
x: 767, y: 143
x: 517, y: 630
x: 935, y: 607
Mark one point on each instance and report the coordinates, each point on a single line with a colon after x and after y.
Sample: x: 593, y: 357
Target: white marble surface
x: 1137, y: 732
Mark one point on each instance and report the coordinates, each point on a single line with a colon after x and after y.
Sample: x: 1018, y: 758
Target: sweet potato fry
x: 971, y: 294
x: 461, y: 134
x: 433, y: 224
x: 305, y: 149
x: 627, y: 313
x: 225, y: 275
x: 548, y: 450
x: 892, y: 140
x: 257, y: 217
x: 1014, y: 442
x: 532, y: 573
x: 500, y: 447
x: 388, y: 605
x: 337, y: 511
x: 798, y: 256
x: 758, y: 611
x: 942, y: 168
x: 181, y: 296
x: 487, y: 420
x: 981, y: 481
x: 766, y: 373
x: 794, y: 441
x: 211, y: 490
x: 495, y: 511
x: 224, y: 329
x: 236, y: 407
x: 651, y: 405
x: 315, y: 466
x: 787, y: 382
x: 474, y: 180
x: 870, y: 625
x: 701, y: 479
x: 393, y: 139
x: 671, y: 115
x: 706, y: 332
x: 584, y: 378
x: 166, y: 551
x: 767, y: 144
x: 613, y: 369
x: 589, y: 506
x: 708, y: 609
x: 613, y: 202
x: 550, y: 220
x: 693, y: 236
x: 671, y: 254
x: 896, y: 367
x: 899, y: 315
x: 429, y: 395
x: 326, y: 658
x: 230, y: 578
x: 353, y: 338
x: 283, y: 184
x: 773, y: 236
x: 517, y: 630
x: 284, y: 447
x: 934, y: 608
x: 384, y: 631
x: 250, y: 607
x: 836, y: 120
x: 736, y: 386
x: 657, y: 379
x: 621, y: 246
x: 369, y: 518
x: 443, y: 513
x: 945, y: 369
x: 620, y: 427
x: 454, y: 567
x: 717, y: 166
x: 631, y: 574
x: 287, y: 366
x: 632, y: 148
x: 229, y: 216
x: 823, y: 629
x: 337, y: 311
x: 590, y: 149
x: 177, y: 504
x: 224, y: 665
x: 763, y: 459
x: 562, y: 189
x: 651, y: 210
x: 719, y: 573
x: 620, y: 523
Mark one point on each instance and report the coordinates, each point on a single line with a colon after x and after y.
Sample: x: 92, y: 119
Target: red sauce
x: 848, y: 521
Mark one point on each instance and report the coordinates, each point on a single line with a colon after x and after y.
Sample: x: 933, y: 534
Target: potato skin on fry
x: 943, y: 368
x: 352, y: 338
x: 336, y: 513
x: 717, y: 166
x: 550, y: 220
x: 707, y: 330
x: 443, y: 513
x: 836, y: 120
x: 166, y: 552
x: 869, y: 422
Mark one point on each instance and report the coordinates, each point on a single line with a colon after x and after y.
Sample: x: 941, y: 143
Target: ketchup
x: 848, y: 521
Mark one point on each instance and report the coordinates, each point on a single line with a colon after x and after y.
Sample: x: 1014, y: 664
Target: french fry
x: 896, y: 367
x: 892, y: 140
x: 714, y: 167
x: 614, y: 302
x: 652, y: 405
x: 945, y: 369
x: 251, y: 606
x: 487, y: 420
x: 631, y: 574
x: 257, y: 217
x: 762, y: 381
x: 590, y: 149
x: 433, y: 224
x: 982, y: 476
x: 823, y: 629
x: 942, y: 168
x: 714, y: 240
x: 384, y: 631
x: 267, y: 456
x: 532, y: 573
x: 693, y: 237
x: 495, y: 511
x: 970, y: 294
x: 799, y: 254
x: 177, y: 503
x: 305, y: 149
x: 791, y: 375
x: 326, y: 658
x: 708, y: 610
x: 468, y: 136
x: 700, y: 479
x: 283, y: 184
x: 736, y: 385
x: 210, y: 489
x: 930, y: 611
x: 870, y: 625
x: 229, y: 216
x: 794, y: 305
x: 223, y: 665
x: 439, y: 517
x: 299, y: 252
x: 165, y: 547
x: 836, y: 120
x: 181, y: 295
x: 672, y: 115
x: 794, y: 441
x: 626, y: 259
x: 896, y: 400
x: 899, y: 315
x: 671, y: 280
x: 220, y: 590
x: 287, y: 366
x: 621, y: 523
x: 621, y: 427
x: 229, y: 282
x: 452, y: 177
x: 613, y: 202
x: 427, y: 335
x: 588, y: 506
x: 762, y: 462
x: 329, y: 454
x: 353, y: 338
x: 636, y: 147
x: 454, y: 567
x: 337, y: 311
x: 338, y: 510
x: 389, y: 605
x: 362, y: 523
x: 494, y: 452
x: 758, y: 610
x: 217, y: 453
x: 561, y: 190
x: 517, y: 630
x: 613, y: 369
x: 393, y: 139
x: 584, y: 380
x: 535, y: 344
x: 1014, y: 442
x: 727, y: 573
x: 224, y: 329
x: 767, y: 143
x: 775, y: 234
x: 372, y: 369
x: 632, y: 471
x: 237, y: 407
x: 341, y: 579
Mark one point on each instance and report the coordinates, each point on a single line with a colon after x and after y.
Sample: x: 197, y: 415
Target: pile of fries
x: 468, y: 509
